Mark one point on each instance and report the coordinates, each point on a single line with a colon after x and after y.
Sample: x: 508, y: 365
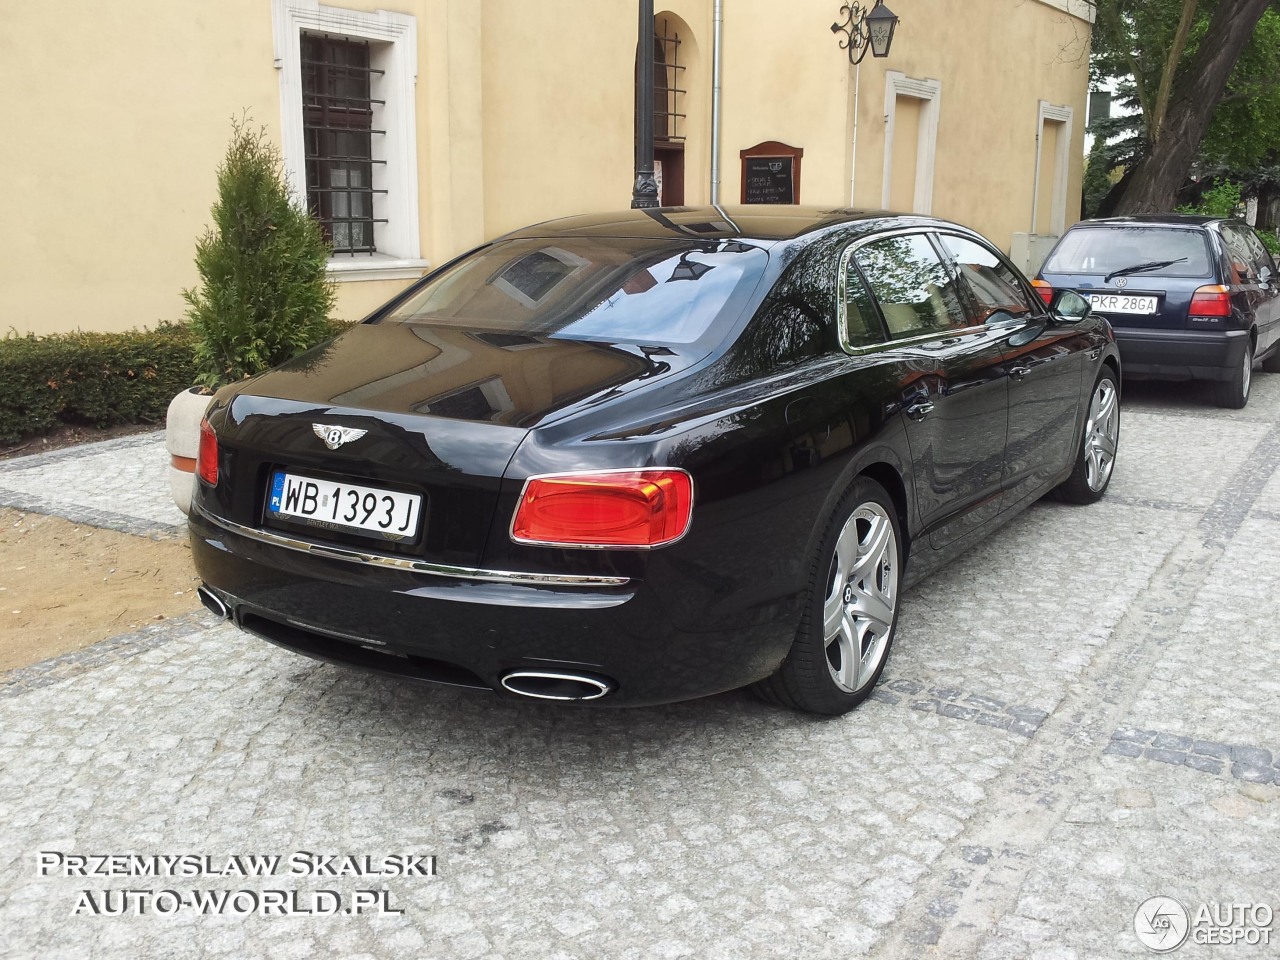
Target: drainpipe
x: 716, y: 51
x: 853, y: 147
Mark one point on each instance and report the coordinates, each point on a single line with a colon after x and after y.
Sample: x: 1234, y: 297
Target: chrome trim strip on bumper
x: 331, y: 552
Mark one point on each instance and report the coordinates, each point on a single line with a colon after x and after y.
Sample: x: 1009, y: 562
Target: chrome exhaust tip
x: 213, y: 603
x: 555, y: 685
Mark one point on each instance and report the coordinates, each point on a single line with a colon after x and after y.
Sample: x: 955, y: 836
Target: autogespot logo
x: 1162, y: 924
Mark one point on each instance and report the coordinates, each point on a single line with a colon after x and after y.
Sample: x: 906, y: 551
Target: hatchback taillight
x: 1045, y: 290
x: 207, y: 456
x: 632, y: 508
x: 1212, y: 300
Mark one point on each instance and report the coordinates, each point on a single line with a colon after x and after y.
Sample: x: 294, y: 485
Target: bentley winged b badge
x: 334, y: 437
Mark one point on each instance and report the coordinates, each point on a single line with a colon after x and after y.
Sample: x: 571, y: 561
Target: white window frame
x: 394, y: 49
x: 1048, y: 112
x: 930, y: 93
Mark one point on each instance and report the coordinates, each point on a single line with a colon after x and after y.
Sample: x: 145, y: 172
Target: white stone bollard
x: 182, y: 439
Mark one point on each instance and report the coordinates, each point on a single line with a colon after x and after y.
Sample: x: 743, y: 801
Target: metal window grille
x: 668, y: 95
x: 337, y: 119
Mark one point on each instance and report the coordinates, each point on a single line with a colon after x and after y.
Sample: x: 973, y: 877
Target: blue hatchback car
x: 1189, y: 298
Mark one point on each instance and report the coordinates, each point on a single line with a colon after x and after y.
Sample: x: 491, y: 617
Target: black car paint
x: 770, y: 416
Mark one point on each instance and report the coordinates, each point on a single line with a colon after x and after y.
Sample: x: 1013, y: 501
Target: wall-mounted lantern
x: 866, y: 29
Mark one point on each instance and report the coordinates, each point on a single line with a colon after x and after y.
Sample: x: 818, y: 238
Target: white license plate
x: 349, y: 507
x: 1121, y: 303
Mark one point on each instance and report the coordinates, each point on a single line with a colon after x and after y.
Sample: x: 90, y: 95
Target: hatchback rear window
x: 590, y: 288
x: 1102, y: 249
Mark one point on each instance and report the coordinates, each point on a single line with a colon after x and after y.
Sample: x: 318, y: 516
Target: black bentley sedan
x: 640, y: 458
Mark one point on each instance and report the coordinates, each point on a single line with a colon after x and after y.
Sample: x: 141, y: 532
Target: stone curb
x: 23, y: 680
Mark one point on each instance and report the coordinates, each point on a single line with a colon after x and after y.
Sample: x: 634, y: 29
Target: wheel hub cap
x: 1100, y: 433
x: 862, y: 597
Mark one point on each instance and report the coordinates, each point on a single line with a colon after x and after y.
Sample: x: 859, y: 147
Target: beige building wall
x: 563, y: 143
x: 993, y: 65
x: 122, y: 113
x: 522, y: 112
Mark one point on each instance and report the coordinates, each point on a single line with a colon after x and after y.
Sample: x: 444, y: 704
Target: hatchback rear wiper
x: 1140, y: 267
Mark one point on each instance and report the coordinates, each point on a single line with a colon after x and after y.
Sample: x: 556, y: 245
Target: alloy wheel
x: 862, y: 598
x: 1101, y: 432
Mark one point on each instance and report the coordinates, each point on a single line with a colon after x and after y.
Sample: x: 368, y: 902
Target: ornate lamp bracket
x: 865, y: 28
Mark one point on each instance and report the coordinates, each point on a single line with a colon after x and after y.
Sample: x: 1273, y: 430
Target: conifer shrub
x: 263, y: 295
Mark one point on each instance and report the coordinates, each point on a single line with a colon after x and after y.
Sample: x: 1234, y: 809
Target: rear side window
x: 916, y: 293
x: 1248, y: 255
x: 1100, y: 250
x: 861, y: 321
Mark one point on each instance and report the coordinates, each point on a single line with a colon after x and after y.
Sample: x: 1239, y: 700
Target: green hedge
x: 97, y: 379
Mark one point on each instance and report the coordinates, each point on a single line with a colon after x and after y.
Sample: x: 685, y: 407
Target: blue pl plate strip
x: 277, y: 492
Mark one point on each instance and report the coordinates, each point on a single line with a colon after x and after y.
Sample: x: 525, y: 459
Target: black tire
x: 1272, y: 363
x: 1091, y: 474
x: 1234, y: 393
x: 809, y: 679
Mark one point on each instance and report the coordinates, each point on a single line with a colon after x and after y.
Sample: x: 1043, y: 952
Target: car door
x: 953, y: 394
x: 1044, y: 361
x: 1254, y: 295
x: 1267, y: 303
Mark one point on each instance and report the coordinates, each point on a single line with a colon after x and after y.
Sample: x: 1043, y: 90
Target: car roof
x: 1153, y: 219
x: 758, y: 222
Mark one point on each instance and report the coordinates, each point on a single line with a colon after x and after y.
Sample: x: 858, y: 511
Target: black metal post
x: 644, y: 193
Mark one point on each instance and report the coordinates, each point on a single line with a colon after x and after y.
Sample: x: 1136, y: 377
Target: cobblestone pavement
x: 121, y: 484
x: 1081, y: 713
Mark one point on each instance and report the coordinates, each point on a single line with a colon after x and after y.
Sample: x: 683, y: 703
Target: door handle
x: 1019, y: 372
x: 918, y: 411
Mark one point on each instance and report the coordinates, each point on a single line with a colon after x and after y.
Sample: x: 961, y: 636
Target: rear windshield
x: 589, y: 288
x: 1102, y: 249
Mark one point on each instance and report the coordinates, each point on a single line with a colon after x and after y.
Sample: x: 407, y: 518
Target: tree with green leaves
x: 1195, y: 68
x: 264, y: 296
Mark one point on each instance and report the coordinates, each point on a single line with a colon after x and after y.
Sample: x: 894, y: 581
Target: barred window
x: 342, y: 146
x: 668, y: 82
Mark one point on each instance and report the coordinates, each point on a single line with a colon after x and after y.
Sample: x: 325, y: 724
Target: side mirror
x: 1264, y: 275
x: 1069, y: 306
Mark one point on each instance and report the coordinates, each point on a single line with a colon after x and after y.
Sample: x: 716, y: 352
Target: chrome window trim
x: 409, y: 564
x: 842, y: 321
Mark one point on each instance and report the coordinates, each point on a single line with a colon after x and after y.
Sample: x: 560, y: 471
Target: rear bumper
x: 1181, y: 354
x: 470, y: 632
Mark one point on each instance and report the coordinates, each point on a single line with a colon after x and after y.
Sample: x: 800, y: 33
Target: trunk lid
x: 442, y: 409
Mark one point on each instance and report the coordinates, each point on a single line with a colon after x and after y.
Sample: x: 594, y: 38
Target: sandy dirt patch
x: 64, y: 586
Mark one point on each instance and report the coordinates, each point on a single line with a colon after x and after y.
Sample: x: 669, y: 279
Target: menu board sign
x: 769, y: 179
x: 771, y: 173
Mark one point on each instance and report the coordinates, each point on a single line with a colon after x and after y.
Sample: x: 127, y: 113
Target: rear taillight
x: 1045, y: 290
x: 207, y: 456
x: 633, y: 508
x: 1212, y: 300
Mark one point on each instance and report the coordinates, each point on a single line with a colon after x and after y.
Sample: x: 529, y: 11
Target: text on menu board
x: 769, y: 179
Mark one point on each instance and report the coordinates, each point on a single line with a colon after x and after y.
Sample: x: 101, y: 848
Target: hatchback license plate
x: 1122, y: 303
x: 349, y: 507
